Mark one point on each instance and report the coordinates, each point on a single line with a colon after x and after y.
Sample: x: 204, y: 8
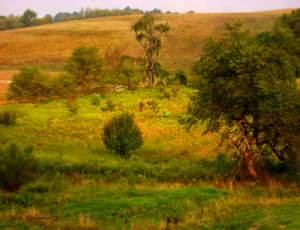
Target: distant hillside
x: 52, y: 44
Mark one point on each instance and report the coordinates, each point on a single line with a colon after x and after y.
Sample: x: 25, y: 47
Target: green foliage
x: 246, y: 92
x: 154, y: 105
x: 166, y: 113
x: 17, y: 167
x: 167, y: 93
x: 28, y: 17
x: 73, y: 106
x: 149, y: 36
x: 63, y: 86
x: 95, y: 99
x: 286, y: 35
x: 29, y: 85
x: 8, y: 117
x: 110, y: 105
x: 121, y: 134
x: 85, y: 66
x: 181, y: 77
x: 131, y: 73
x: 123, y: 69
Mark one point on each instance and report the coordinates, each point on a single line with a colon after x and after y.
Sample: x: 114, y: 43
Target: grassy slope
x: 51, y: 44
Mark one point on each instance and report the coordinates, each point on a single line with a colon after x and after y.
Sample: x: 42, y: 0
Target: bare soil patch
x: 5, y: 75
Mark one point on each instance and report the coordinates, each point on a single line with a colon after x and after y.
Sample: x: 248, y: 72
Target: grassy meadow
x: 174, y: 181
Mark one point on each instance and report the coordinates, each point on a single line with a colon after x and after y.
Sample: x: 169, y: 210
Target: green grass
x: 52, y: 129
x: 90, y: 203
x: 82, y: 185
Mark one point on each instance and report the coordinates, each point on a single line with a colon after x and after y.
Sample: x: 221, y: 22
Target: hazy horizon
x: 43, y: 7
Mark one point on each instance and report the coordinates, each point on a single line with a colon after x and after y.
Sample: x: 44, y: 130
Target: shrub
x: 181, y: 77
x: 166, y: 113
x: 17, y: 167
x: 63, y: 86
x: 30, y: 85
x: 121, y: 134
x: 167, y: 93
x: 8, y: 117
x: 95, y: 99
x: 154, y: 105
x: 73, y: 106
x: 110, y: 105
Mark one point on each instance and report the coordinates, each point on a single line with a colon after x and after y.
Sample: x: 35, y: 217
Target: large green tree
x: 28, y: 18
x: 149, y: 36
x: 85, y: 65
x: 246, y: 92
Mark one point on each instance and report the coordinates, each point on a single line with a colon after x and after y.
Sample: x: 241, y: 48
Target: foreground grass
x: 91, y: 204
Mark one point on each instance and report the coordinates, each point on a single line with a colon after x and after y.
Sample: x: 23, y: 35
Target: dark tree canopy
x: 121, y: 134
x: 247, y: 93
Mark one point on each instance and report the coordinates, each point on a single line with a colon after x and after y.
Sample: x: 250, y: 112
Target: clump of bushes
x: 121, y: 134
x: 181, y: 77
x: 110, y: 105
x: 29, y: 85
x: 17, y: 167
x: 8, y: 117
x: 63, y: 86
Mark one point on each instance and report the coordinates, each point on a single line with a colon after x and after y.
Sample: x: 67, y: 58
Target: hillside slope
x: 50, y: 44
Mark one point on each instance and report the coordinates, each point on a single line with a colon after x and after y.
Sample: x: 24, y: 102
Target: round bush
x: 17, y: 167
x: 121, y: 134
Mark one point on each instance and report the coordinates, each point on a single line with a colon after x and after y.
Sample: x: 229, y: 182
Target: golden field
x: 49, y: 45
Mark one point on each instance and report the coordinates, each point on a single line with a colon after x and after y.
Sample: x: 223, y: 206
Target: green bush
x: 166, y: 113
x: 121, y: 134
x: 8, y: 117
x: 73, y: 106
x: 95, y: 99
x: 181, y: 77
x: 17, y: 167
x: 29, y: 85
x: 110, y: 105
x: 63, y: 86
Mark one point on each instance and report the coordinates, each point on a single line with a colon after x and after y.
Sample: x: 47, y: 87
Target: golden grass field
x: 49, y: 45
x: 53, y: 43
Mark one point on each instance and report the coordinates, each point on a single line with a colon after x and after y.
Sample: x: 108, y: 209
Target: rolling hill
x: 49, y: 45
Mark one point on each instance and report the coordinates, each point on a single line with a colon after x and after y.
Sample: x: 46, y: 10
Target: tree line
x: 29, y: 17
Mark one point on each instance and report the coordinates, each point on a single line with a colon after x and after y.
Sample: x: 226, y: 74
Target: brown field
x: 49, y: 45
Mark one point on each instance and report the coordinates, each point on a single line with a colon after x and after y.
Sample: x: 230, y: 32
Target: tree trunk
x: 150, y: 67
x: 248, y: 162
